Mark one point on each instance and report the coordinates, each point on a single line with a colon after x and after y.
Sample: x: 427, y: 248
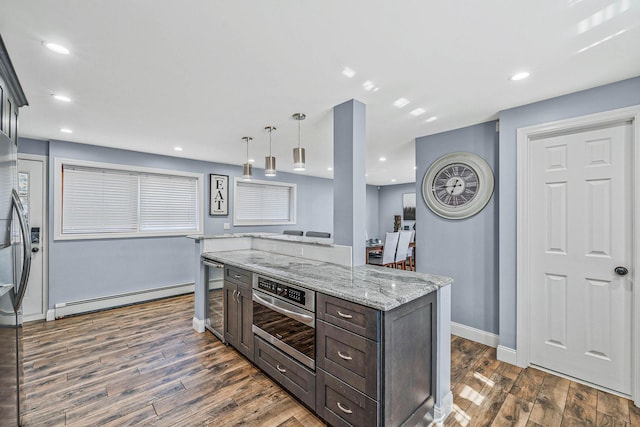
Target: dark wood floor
x: 145, y: 365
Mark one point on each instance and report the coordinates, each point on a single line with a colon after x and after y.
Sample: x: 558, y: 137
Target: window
x: 264, y: 203
x: 97, y: 200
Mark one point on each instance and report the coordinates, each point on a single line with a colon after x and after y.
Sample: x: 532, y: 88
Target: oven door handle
x: 273, y: 305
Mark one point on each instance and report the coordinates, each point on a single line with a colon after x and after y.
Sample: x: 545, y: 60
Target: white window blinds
x: 105, y: 202
x: 260, y: 203
x: 168, y: 203
x: 99, y: 201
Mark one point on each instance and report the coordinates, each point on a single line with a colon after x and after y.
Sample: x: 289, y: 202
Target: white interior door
x: 581, y: 204
x: 31, y: 186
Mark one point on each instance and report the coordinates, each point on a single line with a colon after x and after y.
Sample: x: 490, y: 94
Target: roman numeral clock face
x: 458, y: 185
x: 455, y: 185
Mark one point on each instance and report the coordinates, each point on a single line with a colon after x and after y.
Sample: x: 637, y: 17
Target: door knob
x: 621, y: 271
x: 35, y: 249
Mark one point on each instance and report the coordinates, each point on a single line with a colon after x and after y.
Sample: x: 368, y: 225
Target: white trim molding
x: 506, y: 354
x: 198, y: 324
x: 442, y: 411
x: 473, y: 334
x: 524, y: 138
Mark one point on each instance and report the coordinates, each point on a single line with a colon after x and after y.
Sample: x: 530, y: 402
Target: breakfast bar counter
x: 372, y: 286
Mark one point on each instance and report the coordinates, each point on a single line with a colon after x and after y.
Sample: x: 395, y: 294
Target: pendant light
x: 298, y: 152
x: 247, y: 170
x: 270, y: 161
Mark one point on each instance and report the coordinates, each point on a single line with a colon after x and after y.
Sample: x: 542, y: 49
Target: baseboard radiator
x: 102, y: 303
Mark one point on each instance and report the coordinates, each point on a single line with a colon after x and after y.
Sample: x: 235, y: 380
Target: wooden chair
x: 411, y: 253
x: 388, y: 255
x: 318, y: 234
x: 293, y: 232
x: 400, y: 260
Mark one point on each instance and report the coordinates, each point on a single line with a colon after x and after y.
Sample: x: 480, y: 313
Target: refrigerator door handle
x: 26, y: 247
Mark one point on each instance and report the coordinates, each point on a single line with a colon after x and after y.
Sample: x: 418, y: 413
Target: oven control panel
x: 288, y: 292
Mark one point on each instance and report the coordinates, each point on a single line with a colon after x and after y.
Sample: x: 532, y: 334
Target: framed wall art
x: 219, y: 195
x: 409, y: 206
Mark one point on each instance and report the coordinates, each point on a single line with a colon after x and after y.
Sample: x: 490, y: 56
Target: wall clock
x: 458, y: 185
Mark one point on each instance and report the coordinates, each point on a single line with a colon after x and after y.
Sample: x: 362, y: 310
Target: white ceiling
x: 149, y: 75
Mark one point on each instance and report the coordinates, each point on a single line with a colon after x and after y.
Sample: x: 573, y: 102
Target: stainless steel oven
x: 284, y: 316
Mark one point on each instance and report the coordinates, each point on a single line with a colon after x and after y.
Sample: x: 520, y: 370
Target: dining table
x: 379, y: 245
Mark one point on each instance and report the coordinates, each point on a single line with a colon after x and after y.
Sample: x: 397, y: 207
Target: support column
x: 349, y: 183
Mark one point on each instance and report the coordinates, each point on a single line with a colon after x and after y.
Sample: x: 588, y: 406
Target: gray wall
x: 372, y: 211
x: 91, y: 268
x: 464, y: 249
x: 609, y: 97
x: 390, y: 204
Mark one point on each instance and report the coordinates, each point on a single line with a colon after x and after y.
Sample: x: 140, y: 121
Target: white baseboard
x: 506, y: 354
x: 51, y: 315
x: 198, y: 324
x: 473, y: 334
x: 442, y: 409
x: 102, y: 303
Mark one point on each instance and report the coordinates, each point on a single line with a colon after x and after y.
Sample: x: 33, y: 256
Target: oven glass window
x: 291, y: 332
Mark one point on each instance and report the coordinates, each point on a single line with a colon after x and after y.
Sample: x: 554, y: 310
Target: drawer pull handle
x: 237, y: 276
x: 344, y: 356
x: 343, y: 409
x: 283, y: 370
x: 346, y: 316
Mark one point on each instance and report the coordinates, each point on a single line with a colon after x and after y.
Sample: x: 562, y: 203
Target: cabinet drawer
x: 350, y: 357
x: 342, y: 405
x: 238, y: 275
x: 348, y: 315
x: 294, y: 377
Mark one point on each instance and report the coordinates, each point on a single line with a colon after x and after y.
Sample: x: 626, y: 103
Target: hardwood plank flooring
x: 487, y: 392
x: 145, y: 365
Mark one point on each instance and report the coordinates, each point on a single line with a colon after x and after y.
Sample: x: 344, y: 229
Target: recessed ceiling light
x: 383, y: 159
x: 393, y: 180
x: 57, y: 48
x: 415, y: 168
x: 66, y: 130
x: 431, y: 119
x: 375, y: 89
x: 61, y: 98
x: 177, y: 148
x: 519, y: 76
x: 402, y: 102
x: 368, y: 85
x: 252, y: 160
x: 418, y: 111
x: 329, y: 169
x: 348, y: 72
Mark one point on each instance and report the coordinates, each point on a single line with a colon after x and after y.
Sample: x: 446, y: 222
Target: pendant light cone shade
x: 298, y: 152
x: 247, y: 169
x: 270, y: 161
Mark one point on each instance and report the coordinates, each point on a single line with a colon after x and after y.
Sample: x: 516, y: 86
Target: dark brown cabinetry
x: 375, y: 368
x: 238, y: 310
x: 293, y: 376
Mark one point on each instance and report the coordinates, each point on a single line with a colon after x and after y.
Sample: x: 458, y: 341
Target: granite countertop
x: 376, y: 287
x: 269, y: 236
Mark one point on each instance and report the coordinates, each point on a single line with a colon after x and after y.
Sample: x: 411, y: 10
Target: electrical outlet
x: 227, y: 226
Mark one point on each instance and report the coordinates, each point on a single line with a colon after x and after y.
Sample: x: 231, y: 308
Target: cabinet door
x: 245, y: 321
x: 230, y: 314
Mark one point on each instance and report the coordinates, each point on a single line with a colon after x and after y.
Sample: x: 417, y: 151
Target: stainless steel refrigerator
x: 15, y: 247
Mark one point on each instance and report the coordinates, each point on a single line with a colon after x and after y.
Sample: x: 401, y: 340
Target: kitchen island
x: 381, y: 336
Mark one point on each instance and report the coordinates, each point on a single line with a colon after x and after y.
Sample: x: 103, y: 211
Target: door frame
x: 44, y: 233
x: 526, y: 136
